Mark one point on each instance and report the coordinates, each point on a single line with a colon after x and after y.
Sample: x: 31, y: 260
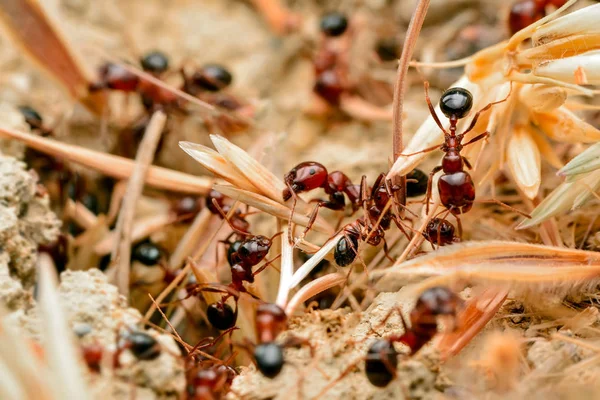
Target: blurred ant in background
x: 525, y: 12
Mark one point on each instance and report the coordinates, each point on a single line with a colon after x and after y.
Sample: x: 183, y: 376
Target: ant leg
x: 386, y: 251
x: 498, y: 202
x: 484, y: 109
x: 429, y: 187
x: 313, y: 215
x: 477, y: 138
x: 437, y: 146
x: 467, y: 163
x: 226, y: 218
x: 432, y: 109
x: 458, y: 225
x: 202, y: 344
x: 265, y: 265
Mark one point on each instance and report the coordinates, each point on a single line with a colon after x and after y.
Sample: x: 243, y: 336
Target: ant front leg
x: 484, y: 109
x: 429, y: 186
x: 432, y: 109
x: 336, y: 202
x: 477, y: 138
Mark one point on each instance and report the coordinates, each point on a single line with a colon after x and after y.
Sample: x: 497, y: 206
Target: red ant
x: 525, y: 12
x: 382, y: 358
x: 440, y: 232
x: 209, y: 383
x: 455, y: 186
x: 330, y: 67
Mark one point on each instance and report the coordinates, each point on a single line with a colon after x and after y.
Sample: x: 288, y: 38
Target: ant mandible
x: 382, y: 358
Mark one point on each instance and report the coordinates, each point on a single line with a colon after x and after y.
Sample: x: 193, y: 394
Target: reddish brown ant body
x: 440, y: 232
x: 525, y: 12
x: 382, y: 358
x: 211, y: 383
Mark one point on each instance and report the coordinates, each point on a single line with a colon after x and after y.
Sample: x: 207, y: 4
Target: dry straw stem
x: 80, y: 214
x: 32, y: 30
x: 312, y: 262
x: 477, y: 312
x: 114, y: 166
x: 287, y: 269
x: 186, y: 245
x: 281, y: 20
x: 274, y: 208
x: 143, y: 227
x: 502, y: 263
x: 122, y: 250
x: 414, y: 28
x: 314, y: 288
x: 61, y: 355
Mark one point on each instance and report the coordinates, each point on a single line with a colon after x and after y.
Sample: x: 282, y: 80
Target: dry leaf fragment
x: 523, y: 157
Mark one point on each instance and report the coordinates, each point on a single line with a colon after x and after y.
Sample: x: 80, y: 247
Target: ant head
x: 345, y: 250
x: 334, y: 24
x: 440, y: 231
x: 438, y: 300
x: 232, y: 257
x: 219, y: 197
x: 155, y: 62
x: 418, y: 188
x: 147, y: 253
x: 221, y: 316
x: 187, y: 205
x: 254, y: 250
x: 269, y: 359
x: 143, y: 346
x: 380, y: 363
x: 32, y: 117
x: 456, y: 102
x: 213, y: 77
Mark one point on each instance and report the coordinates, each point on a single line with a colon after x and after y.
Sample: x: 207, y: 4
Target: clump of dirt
x: 340, y: 340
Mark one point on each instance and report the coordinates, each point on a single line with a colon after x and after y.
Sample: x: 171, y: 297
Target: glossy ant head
x: 345, y: 250
x: 269, y: 359
x: 253, y: 250
x: 187, y: 206
x: 334, y: 24
x: 114, y: 76
x: 380, y: 364
x: 155, y: 62
x: 432, y: 303
x: 439, y: 231
x: 303, y: 177
x: 147, y: 253
x: 221, y: 315
x: 142, y: 345
x: 212, y: 77
x: 456, y: 102
x: 32, y: 117
x: 418, y: 188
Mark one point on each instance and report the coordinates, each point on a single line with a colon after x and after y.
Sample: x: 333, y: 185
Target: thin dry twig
x: 135, y: 186
x: 414, y: 28
x: 190, y: 238
x: 110, y: 165
x: 312, y: 289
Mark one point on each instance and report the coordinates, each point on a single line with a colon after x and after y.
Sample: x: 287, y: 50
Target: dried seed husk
x: 523, y: 159
x: 565, y: 47
x: 267, y: 183
x: 498, y: 262
x: 546, y: 150
x: 272, y: 207
x: 587, y: 161
x: 582, y: 21
x: 580, y: 69
x: 542, y: 98
x: 561, y: 199
x: 564, y: 126
x: 217, y: 164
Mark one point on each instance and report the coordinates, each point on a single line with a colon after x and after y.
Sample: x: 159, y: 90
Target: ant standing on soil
x: 382, y: 358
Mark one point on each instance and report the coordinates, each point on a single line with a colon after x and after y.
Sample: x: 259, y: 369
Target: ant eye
x: 334, y: 24
x: 456, y: 102
x: 155, y: 62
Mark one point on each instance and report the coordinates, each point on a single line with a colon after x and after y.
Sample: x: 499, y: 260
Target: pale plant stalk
x: 122, y: 250
x: 312, y: 289
x: 312, y: 262
x: 190, y: 238
x: 287, y: 269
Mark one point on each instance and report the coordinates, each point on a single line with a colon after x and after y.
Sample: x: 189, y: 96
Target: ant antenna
x: 226, y: 218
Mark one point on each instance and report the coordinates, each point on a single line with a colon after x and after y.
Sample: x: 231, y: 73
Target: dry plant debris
x: 262, y: 182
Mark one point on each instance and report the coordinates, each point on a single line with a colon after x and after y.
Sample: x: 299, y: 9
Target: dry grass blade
x: 523, y: 158
x: 312, y: 289
x: 122, y: 250
x: 186, y: 245
x: 477, y: 313
x: 29, y: 27
x: 502, y: 263
x: 143, y: 228
x: 565, y: 197
x: 217, y: 164
x: 287, y: 269
x: 312, y: 262
x: 63, y: 361
x: 271, y: 207
x: 587, y: 161
x: 114, y: 166
x: 267, y: 183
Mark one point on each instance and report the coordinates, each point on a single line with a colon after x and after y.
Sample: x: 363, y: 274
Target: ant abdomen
x: 457, y: 192
x: 345, y: 250
x: 440, y: 232
x: 381, y: 362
